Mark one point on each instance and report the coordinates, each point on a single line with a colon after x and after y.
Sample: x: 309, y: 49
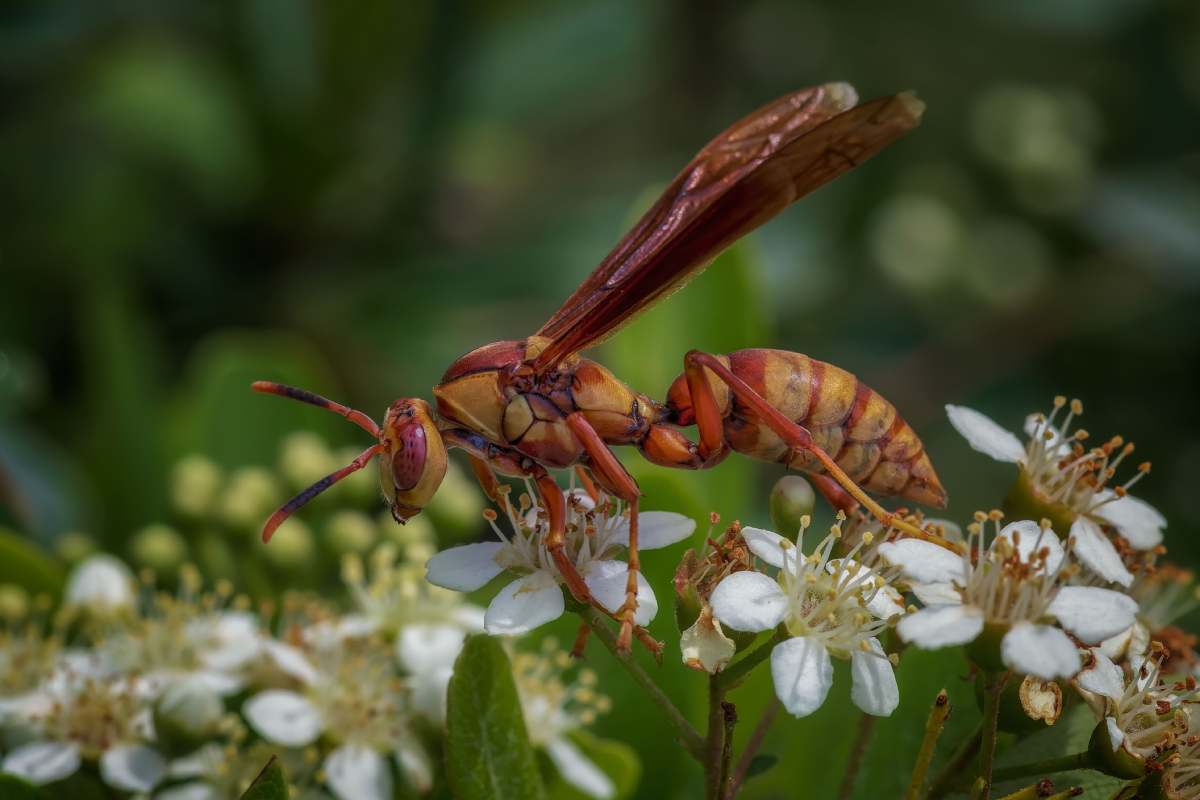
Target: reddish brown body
x: 486, y: 393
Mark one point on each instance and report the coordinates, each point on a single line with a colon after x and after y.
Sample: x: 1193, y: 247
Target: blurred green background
x: 349, y: 195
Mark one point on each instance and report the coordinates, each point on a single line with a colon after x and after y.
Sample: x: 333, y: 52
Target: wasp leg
x: 708, y: 419
x: 589, y: 486
x: 835, y: 495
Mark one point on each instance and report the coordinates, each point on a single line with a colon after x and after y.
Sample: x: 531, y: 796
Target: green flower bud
x: 195, y: 481
x: 456, y: 507
x: 74, y: 547
x: 304, y: 459
x: 292, y: 545
x: 249, y: 498
x: 1118, y: 762
x: 187, y: 715
x: 792, y: 498
x: 350, y: 532
x: 158, y: 547
x: 14, y: 602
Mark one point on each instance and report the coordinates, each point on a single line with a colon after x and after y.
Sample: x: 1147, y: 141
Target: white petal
x: 524, y: 604
x: 984, y: 435
x: 705, y: 646
x: 924, y: 562
x: 606, y: 580
x: 875, y: 690
x: 656, y: 529
x: 132, y: 768
x: 1103, y: 677
x: 1116, y: 736
x: 1115, y: 647
x: 1134, y: 519
x: 1096, y: 552
x: 414, y: 762
x: 283, y: 717
x: 468, y: 617
x: 100, y: 581
x: 941, y: 626
x: 749, y: 601
x: 1029, y: 539
x: 1091, y: 613
x: 937, y: 594
x: 577, y: 770
x: 42, y: 762
x: 189, y: 791
x: 1039, y: 650
x: 290, y: 661
x: 422, y: 648
x: 803, y: 673
x: 465, y: 568
x: 356, y: 772
x: 427, y: 693
x: 769, y: 546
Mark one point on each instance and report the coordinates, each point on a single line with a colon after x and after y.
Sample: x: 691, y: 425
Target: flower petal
x: 656, y: 529
x: 413, y: 760
x: 749, y: 601
x: 984, y: 435
x: 1102, y: 677
x: 1029, y: 538
x: 937, y: 594
x: 924, y: 562
x: 291, y: 661
x: 770, y: 546
x: 195, y: 790
x: 1096, y: 552
x: 577, y: 770
x: 524, y: 604
x: 803, y: 673
x: 132, y: 767
x: 1039, y: 650
x: 423, y: 647
x: 705, y: 646
x: 1116, y: 736
x: 1091, y: 613
x: 42, y: 762
x: 100, y: 581
x: 356, y: 772
x: 941, y: 626
x: 875, y: 690
x: 283, y: 717
x: 607, y: 581
x: 1136, y: 520
x: 465, y: 568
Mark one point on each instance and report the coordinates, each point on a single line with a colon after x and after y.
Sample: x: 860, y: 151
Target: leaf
x: 25, y: 565
x: 488, y: 753
x: 760, y: 764
x: 615, y: 759
x: 269, y: 785
x: 14, y: 788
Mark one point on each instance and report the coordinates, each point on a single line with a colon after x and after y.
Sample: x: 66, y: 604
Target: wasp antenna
x: 288, y: 508
x: 357, y: 417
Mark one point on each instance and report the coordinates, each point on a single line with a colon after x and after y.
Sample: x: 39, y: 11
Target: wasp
x: 528, y: 406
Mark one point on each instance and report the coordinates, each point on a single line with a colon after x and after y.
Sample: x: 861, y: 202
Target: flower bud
x: 304, y: 459
x: 705, y: 646
x: 74, y: 547
x: 14, y: 602
x: 792, y: 498
x: 102, y: 584
x: 1110, y: 759
x: 292, y: 545
x: 195, y: 481
x: 456, y: 507
x: 187, y: 715
x: 350, y: 532
x: 158, y: 547
x: 1024, y: 501
x: 249, y: 498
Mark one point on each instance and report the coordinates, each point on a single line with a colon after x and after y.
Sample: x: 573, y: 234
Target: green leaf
x: 14, y: 788
x: 760, y: 764
x: 488, y: 754
x: 615, y: 759
x: 269, y: 785
x: 25, y: 565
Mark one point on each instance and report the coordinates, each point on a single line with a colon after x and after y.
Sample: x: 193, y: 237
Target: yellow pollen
x: 1059, y: 401
x: 1076, y: 407
x: 868, y: 537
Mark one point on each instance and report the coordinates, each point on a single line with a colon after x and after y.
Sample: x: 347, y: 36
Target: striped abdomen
x: 847, y: 419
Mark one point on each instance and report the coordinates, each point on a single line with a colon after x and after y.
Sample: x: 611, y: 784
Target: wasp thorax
x: 413, y: 461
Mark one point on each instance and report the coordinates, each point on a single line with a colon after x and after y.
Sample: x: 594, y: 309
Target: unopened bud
x: 195, y: 481
x: 249, y: 498
x: 350, y: 532
x: 792, y: 498
x: 456, y: 506
x: 74, y: 547
x: 291, y: 546
x: 158, y: 547
x: 304, y: 459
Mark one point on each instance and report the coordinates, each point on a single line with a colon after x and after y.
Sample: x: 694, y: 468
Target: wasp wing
x: 741, y: 179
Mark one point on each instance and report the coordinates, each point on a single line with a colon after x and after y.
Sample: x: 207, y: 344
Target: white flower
x: 355, y: 698
x: 829, y: 607
x: 1062, y: 474
x: 553, y: 709
x: 594, y: 537
x: 1014, y: 586
x: 100, y: 583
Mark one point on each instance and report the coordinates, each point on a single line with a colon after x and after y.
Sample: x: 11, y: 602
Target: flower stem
x: 689, y: 737
x: 715, y: 744
x: 862, y: 738
x: 738, y: 671
x: 1046, y: 767
x: 991, y: 717
x: 755, y: 742
x: 933, y: 731
x: 956, y: 765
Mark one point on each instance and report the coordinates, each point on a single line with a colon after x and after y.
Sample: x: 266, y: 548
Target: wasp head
x: 413, y: 458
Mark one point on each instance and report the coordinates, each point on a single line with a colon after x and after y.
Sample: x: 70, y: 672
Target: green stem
x: 956, y: 766
x: 862, y: 738
x: 715, y: 742
x: 689, y: 737
x: 738, y: 671
x: 991, y: 718
x: 933, y: 731
x: 755, y: 742
x: 1042, y: 768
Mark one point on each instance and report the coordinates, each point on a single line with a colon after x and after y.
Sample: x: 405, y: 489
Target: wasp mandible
x: 522, y: 408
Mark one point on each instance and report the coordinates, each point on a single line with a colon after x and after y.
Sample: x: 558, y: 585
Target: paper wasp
x: 521, y: 408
